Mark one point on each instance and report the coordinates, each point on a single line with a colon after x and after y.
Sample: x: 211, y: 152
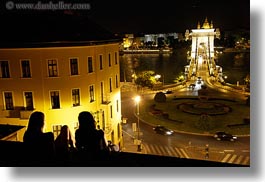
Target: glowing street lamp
x: 137, y: 101
x: 157, y: 77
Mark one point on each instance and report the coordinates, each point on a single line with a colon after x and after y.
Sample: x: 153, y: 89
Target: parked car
x: 221, y: 135
x: 163, y: 130
x: 167, y: 91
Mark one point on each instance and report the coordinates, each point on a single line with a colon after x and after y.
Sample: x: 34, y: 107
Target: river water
x: 235, y: 65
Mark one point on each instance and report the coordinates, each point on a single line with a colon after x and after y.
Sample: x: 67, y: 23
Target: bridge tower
x: 202, y: 49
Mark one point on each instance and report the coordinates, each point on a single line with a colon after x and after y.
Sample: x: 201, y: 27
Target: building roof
x: 43, y: 29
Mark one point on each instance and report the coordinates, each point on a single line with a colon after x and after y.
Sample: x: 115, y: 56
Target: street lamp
x: 157, y: 77
x: 137, y: 101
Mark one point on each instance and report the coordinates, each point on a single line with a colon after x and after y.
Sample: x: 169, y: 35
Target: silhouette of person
x: 90, y: 142
x: 64, y: 144
x: 39, y: 145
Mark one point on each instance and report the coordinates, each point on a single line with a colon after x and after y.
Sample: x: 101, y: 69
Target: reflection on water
x: 167, y: 65
x: 235, y: 65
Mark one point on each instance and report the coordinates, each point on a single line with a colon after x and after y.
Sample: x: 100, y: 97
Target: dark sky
x: 159, y: 16
x: 123, y: 16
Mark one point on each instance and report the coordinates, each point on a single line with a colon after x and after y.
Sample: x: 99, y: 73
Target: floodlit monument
x: 202, y: 49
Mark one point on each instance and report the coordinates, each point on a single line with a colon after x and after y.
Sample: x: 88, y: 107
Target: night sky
x: 160, y: 16
x: 123, y: 16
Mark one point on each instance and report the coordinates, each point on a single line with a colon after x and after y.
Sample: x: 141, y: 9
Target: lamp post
x: 137, y: 101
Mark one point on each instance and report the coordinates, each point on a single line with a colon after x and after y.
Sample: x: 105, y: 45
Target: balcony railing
x: 13, y: 154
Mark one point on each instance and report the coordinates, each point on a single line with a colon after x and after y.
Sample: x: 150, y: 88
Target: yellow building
x: 62, y: 79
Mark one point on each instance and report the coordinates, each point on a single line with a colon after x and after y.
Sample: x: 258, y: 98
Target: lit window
x: 91, y: 93
x: 103, y: 120
x: 52, y: 68
x: 76, y: 97
x: 55, y: 99
x: 117, y: 105
x: 100, y: 62
x: 109, y: 60
x: 28, y: 101
x: 56, y: 129
x: 74, y: 66
x: 111, y: 111
x: 110, y: 85
x: 9, y: 105
x: 25, y: 68
x: 102, y: 92
x: 4, y: 71
x: 117, y: 82
x: 90, y: 64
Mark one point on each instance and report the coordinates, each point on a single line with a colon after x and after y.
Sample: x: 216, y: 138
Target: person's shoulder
x: 101, y: 132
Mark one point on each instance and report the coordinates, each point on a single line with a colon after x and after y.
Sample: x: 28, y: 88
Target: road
x: 187, y: 145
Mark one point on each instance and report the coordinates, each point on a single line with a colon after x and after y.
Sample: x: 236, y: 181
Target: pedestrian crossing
x: 236, y: 159
x: 165, y: 150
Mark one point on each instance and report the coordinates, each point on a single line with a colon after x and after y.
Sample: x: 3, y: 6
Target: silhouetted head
x: 36, y: 121
x: 65, y: 131
x: 65, y: 136
x: 86, y: 119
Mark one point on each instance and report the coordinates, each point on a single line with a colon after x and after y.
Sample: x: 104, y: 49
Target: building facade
x: 62, y: 81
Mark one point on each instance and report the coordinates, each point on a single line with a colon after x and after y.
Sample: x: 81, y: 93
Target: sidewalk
x: 129, y: 145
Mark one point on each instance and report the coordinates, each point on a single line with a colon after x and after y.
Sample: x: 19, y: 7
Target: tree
x: 160, y: 97
x: 145, y: 79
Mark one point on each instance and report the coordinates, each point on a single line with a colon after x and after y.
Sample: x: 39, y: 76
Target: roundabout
x: 198, y: 108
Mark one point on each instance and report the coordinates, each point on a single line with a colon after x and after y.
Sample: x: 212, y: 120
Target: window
x: 119, y: 130
x: 9, y: 105
x: 25, y: 69
x: 110, y: 85
x: 55, y: 99
x: 102, y: 92
x: 52, y: 68
x: 90, y: 64
x: 4, y: 71
x: 74, y: 66
x: 76, y: 97
x: 111, y: 111
x: 28, y: 101
x: 117, y: 105
x: 103, y: 120
x: 109, y: 60
x: 100, y: 62
x: 117, y: 83
x: 91, y: 93
x: 56, y: 129
x: 116, y: 58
